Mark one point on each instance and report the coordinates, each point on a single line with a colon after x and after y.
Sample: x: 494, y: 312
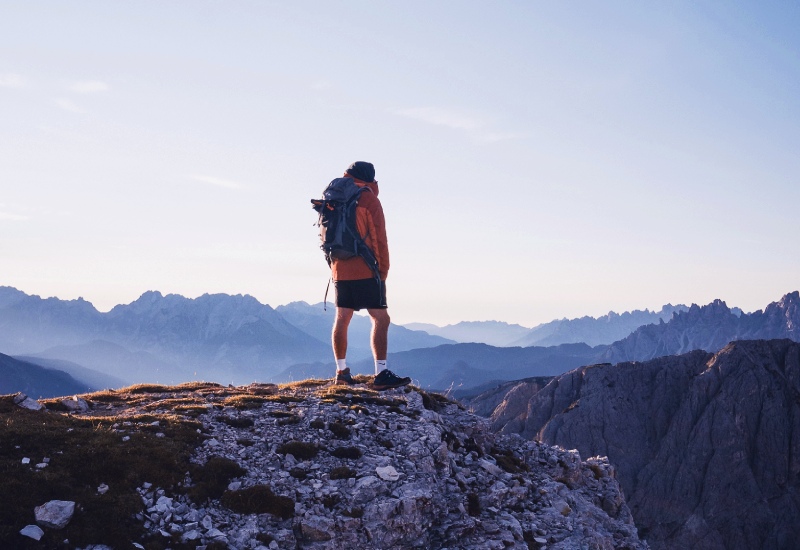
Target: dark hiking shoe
x: 343, y: 378
x: 387, y: 380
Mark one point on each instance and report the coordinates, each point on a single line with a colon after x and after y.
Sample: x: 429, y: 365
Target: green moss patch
x: 258, y: 499
x: 342, y: 472
x: 211, y: 479
x: 299, y: 449
x: 353, y: 453
x: 339, y: 430
x: 238, y: 421
x: 85, y: 453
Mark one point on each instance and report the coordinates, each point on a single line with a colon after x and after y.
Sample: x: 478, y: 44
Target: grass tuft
x: 238, y: 421
x: 353, y: 453
x: 212, y: 478
x: 508, y: 461
x: 299, y: 449
x: 342, y: 472
x: 258, y: 499
x: 339, y: 430
x: 245, y: 402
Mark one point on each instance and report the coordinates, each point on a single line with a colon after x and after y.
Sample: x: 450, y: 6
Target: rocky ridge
x: 316, y: 466
x: 706, y: 445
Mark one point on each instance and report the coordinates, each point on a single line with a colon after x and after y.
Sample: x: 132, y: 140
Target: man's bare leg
x: 380, y: 334
x: 339, y: 333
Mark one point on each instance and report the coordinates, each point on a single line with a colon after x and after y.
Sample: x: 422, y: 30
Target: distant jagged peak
x: 788, y: 301
x: 711, y: 309
x: 155, y: 299
x: 10, y: 296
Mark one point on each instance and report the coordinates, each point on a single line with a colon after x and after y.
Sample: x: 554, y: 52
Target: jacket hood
x: 373, y: 186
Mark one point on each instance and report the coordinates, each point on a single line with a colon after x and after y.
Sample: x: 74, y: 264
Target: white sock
x: 341, y: 364
x: 380, y: 364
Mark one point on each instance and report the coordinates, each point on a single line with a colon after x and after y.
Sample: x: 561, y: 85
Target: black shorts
x: 361, y: 294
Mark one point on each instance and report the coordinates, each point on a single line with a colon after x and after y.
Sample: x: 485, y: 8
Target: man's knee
x: 380, y: 317
x: 343, y: 317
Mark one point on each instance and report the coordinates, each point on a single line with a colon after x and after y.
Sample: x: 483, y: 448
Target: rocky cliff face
x: 314, y: 466
x: 707, y: 445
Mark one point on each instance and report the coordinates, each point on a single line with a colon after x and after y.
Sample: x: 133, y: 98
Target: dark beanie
x: 361, y: 170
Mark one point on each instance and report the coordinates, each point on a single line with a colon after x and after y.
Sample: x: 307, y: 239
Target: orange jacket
x: 372, y: 228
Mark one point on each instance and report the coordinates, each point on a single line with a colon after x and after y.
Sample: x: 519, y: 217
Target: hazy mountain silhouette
x: 236, y: 339
x: 172, y: 339
x: 91, y: 377
x: 35, y: 380
x: 494, y: 333
x: 588, y: 330
x: 595, y: 331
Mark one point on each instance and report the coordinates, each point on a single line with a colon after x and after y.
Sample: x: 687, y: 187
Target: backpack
x: 338, y: 233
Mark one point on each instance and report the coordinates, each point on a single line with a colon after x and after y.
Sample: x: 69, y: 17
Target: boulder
x: 55, y: 514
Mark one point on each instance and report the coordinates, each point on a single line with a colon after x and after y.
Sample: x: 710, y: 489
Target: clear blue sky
x: 537, y: 160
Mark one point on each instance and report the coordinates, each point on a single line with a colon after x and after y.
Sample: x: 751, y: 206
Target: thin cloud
x: 320, y: 85
x: 11, y: 80
x: 494, y: 137
x: 89, y: 87
x: 219, y: 182
x: 474, y: 126
x: 68, y: 105
x: 7, y: 216
x: 442, y: 117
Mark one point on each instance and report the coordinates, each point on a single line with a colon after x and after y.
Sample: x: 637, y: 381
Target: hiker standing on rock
x: 360, y: 279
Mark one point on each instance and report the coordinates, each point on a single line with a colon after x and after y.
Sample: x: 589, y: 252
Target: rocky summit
x: 310, y: 465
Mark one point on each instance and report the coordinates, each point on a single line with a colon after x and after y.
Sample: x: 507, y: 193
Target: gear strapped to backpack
x: 338, y: 231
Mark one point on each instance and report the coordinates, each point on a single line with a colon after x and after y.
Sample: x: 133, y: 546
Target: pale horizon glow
x: 536, y: 161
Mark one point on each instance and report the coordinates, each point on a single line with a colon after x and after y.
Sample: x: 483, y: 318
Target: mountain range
x: 236, y: 339
x: 171, y: 338
x: 470, y: 368
x: 593, y: 331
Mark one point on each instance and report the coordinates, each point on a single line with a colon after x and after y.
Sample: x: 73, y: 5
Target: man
x: 357, y: 287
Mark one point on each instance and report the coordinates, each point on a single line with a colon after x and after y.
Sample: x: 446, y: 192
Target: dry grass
x: 351, y: 395
x: 304, y: 384
x: 245, y: 402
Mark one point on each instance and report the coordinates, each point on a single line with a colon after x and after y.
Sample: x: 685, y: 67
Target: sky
x: 536, y: 160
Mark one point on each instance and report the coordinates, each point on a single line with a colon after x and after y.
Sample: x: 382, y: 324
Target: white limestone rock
x: 26, y: 402
x: 55, y: 514
x: 387, y: 473
x: 32, y: 532
x: 75, y: 404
